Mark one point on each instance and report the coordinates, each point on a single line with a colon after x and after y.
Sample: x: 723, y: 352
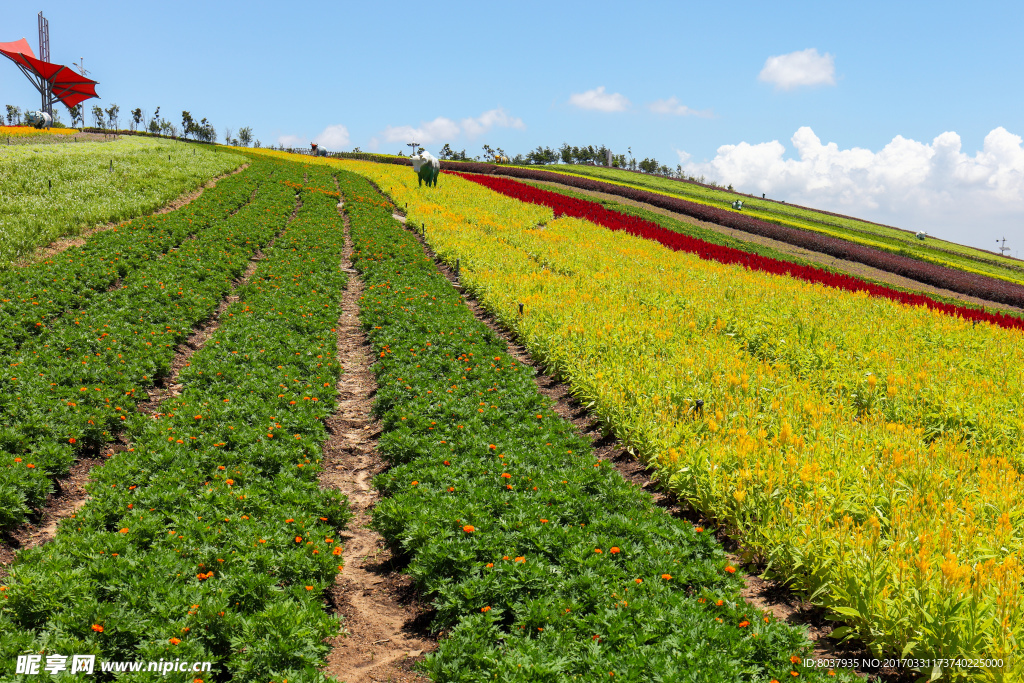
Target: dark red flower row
x: 591, y: 211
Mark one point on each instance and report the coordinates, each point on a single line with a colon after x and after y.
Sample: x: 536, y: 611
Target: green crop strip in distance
x: 71, y: 389
x: 49, y: 191
x: 544, y: 563
x: 211, y: 540
x: 31, y: 297
x: 682, y: 227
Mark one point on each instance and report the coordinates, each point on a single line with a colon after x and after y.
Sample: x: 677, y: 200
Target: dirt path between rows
x: 848, y: 267
x: 65, y: 243
x: 385, y: 620
x: 69, y: 494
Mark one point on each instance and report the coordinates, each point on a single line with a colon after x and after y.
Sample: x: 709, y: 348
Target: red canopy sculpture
x: 54, y: 81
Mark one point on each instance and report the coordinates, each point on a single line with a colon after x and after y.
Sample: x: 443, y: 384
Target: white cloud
x: 291, y: 141
x: 495, y: 118
x: 674, y: 107
x: 914, y: 185
x: 805, y: 67
x: 427, y: 133
x: 332, y: 137
x: 444, y: 129
x: 599, y: 100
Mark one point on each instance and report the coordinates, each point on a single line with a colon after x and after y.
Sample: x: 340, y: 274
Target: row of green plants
x: 891, y: 239
x: 71, y: 389
x: 209, y: 539
x: 33, y: 296
x: 50, y: 191
x: 543, y: 563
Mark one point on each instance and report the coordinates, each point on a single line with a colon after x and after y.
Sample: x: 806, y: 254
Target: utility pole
x: 414, y: 145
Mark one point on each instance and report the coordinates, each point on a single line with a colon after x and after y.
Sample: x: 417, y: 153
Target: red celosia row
x: 595, y: 213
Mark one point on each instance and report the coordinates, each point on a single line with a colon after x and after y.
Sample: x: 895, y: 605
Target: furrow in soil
x: 384, y: 619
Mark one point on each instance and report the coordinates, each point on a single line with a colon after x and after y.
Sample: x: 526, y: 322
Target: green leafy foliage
x: 210, y: 539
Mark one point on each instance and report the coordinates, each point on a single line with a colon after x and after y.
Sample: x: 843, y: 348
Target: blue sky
x: 922, y: 103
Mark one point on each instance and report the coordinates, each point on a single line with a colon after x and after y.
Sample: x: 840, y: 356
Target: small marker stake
x: 457, y: 263
x: 520, y: 309
x: 111, y: 165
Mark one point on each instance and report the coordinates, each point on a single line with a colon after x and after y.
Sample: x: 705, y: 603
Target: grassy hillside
x: 51, y: 191
x: 890, y: 239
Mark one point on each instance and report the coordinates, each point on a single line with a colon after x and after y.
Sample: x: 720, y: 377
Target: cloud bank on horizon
x: 913, y: 185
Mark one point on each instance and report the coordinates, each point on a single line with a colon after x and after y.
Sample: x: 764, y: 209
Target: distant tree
x: 501, y: 152
x: 97, y: 115
x: 445, y: 153
x: 488, y: 152
x: 649, y: 165
x: 256, y: 144
x: 13, y: 115
x: 112, y: 112
x: 245, y: 136
x: 136, y: 118
x: 187, y: 124
x: 565, y: 152
x: 205, y: 131
x: 154, y: 123
x: 542, y: 156
x: 518, y: 160
x: 227, y: 135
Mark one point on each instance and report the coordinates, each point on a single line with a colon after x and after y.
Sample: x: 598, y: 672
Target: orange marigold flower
x: 543, y: 521
x: 793, y: 659
x: 97, y: 628
x: 744, y: 623
x: 667, y: 577
x: 337, y: 550
x: 17, y: 460
x: 309, y: 588
x: 469, y: 528
x: 298, y: 539
x: 220, y: 467
x: 520, y: 559
x: 30, y: 466
x: 485, y: 609
x: 451, y: 489
x: 174, y: 641
x: 730, y: 569
x: 598, y: 550
x: 719, y: 603
x: 414, y: 483
x: 124, y: 531
x: 639, y: 580
x: 614, y: 550
x: 490, y: 564
x: 794, y: 674
x: 289, y: 520
x: 71, y: 440
x: 698, y: 529
x: 506, y: 475
x: 230, y: 482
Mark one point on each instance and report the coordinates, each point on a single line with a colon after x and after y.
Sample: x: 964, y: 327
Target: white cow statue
x: 39, y: 119
x: 427, y: 167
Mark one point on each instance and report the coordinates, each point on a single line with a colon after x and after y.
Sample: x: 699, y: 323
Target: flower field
x: 868, y: 449
x: 30, y: 132
x: 836, y: 225
x: 542, y: 561
x: 209, y: 539
x: 969, y: 277
x: 50, y: 191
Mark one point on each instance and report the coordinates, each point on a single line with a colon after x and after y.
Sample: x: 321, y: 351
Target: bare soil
x: 65, y: 243
x: 385, y: 618
x: 848, y: 267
